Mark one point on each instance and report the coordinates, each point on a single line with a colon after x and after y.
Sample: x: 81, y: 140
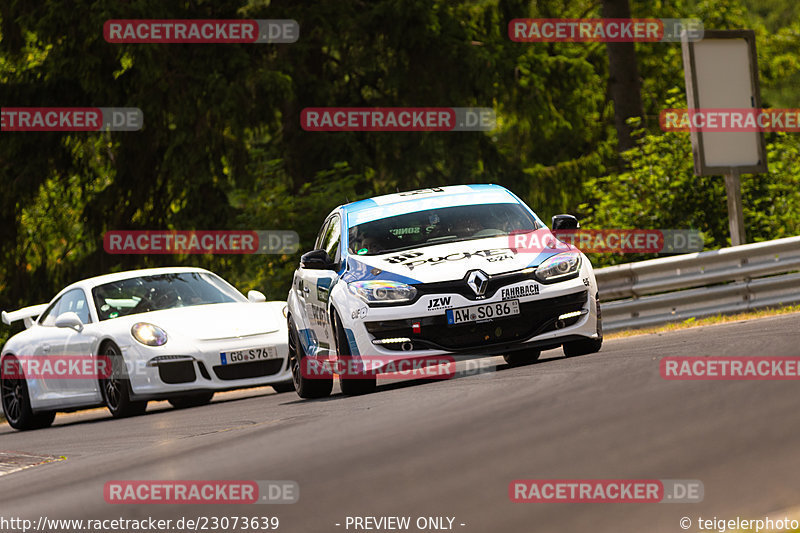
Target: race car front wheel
x: 306, y: 387
x: 116, y: 388
x: 356, y: 385
x: 17, y: 402
x: 587, y: 346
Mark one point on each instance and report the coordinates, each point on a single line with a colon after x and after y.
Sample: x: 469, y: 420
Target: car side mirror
x: 69, y: 319
x: 565, y: 222
x: 256, y: 297
x: 316, y: 260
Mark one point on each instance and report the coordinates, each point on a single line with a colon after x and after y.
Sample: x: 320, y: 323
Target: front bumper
x: 536, y: 317
x: 557, y: 313
x: 163, y: 371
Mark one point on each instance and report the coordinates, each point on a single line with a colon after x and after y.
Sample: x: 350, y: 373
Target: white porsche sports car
x: 466, y: 269
x: 176, y: 334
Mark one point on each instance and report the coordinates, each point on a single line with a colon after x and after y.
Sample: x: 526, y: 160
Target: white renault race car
x: 466, y: 269
x: 166, y: 333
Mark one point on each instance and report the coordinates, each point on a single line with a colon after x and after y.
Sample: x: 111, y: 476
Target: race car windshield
x: 436, y: 226
x: 163, y: 291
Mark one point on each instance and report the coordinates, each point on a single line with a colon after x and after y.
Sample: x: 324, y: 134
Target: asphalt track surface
x: 451, y: 448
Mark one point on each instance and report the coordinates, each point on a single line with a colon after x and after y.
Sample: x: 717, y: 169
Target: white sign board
x: 721, y: 72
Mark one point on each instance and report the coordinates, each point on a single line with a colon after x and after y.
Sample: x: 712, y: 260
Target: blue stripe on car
x: 358, y: 271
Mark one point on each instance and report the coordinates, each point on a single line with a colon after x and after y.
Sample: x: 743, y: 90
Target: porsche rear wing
x: 26, y: 313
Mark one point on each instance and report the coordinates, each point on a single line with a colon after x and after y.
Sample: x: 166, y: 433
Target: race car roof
x: 422, y: 199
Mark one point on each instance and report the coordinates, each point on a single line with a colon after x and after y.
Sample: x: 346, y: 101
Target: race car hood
x: 216, y: 321
x: 451, y: 261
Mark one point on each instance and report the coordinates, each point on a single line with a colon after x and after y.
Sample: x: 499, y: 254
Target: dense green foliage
x: 222, y: 146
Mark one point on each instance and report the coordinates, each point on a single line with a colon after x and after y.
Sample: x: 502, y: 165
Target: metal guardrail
x: 673, y: 289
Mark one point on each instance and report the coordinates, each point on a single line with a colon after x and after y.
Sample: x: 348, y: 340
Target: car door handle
x: 45, y: 347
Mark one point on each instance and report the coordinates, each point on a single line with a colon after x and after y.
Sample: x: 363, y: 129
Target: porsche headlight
x: 559, y: 267
x: 148, y: 334
x: 378, y: 291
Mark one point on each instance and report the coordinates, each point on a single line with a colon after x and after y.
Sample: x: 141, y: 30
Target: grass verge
x: 708, y: 321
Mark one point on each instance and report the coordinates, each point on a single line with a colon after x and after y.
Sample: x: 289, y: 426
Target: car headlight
x: 378, y: 291
x: 148, y: 334
x: 559, y: 267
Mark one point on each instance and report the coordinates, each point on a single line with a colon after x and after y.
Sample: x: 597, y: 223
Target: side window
x: 321, y: 237
x: 48, y: 318
x: 75, y: 301
x: 333, y: 237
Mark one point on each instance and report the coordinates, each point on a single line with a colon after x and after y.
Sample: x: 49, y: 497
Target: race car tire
x: 17, y: 403
x: 363, y: 384
x: 587, y: 346
x: 522, y: 357
x: 286, y: 386
x: 116, y: 388
x: 582, y: 347
x: 303, y: 385
x: 191, y: 400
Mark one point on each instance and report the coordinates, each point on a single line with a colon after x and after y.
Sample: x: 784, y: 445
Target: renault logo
x: 478, y: 281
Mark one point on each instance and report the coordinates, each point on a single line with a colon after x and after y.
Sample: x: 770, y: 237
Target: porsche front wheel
x: 116, y: 388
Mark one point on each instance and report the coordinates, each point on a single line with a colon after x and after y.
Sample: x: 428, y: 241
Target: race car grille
x: 255, y: 369
x: 496, y: 282
x: 534, y: 319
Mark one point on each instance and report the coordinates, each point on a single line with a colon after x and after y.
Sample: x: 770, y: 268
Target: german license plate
x: 477, y: 313
x: 246, y: 356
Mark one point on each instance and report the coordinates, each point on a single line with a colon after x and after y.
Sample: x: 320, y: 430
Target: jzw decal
x: 586, y: 281
x: 408, y: 259
x: 439, y: 303
x: 520, y: 292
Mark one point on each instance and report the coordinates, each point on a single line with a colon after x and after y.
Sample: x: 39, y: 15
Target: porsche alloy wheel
x: 116, y: 388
